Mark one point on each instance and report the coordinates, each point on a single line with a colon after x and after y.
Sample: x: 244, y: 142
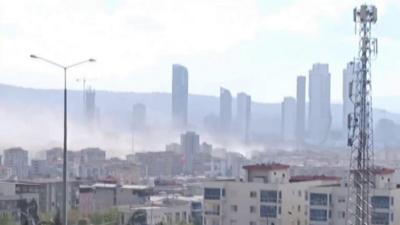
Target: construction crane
x: 360, y: 122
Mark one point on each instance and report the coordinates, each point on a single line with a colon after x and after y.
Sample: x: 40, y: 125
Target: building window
x: 267, y: 211
x: 253, y: 223
x: 253, y: 194
x: 253, y: 209
x: 380, y: 202
x: 268, y: 196
x: 380, y: 218
x: 212, y: 193
x: 234, y: 208
x: 318, y: 199
x: 298, y: 208
x: 318, y: 215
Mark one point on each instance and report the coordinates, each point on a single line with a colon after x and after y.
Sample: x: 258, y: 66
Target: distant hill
x: 24, y: 109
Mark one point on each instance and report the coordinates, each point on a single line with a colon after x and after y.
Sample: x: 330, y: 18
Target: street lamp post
x: 65, y: 68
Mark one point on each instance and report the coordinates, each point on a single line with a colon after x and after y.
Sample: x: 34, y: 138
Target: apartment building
x: 328, y: 203
x: 268, y: 196
x: 167, y: 211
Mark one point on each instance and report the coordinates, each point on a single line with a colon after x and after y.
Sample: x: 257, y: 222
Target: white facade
x: 166, y: 212
x: 319, y: 122
x: 328, y: 203
x: 288, y: 119
x: 267, y: 197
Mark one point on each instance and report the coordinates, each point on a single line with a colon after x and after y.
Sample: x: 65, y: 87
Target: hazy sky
x: 257, y: 46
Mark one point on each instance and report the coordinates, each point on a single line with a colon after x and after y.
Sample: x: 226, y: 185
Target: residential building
x: 243, y: 116
x: 190, y: 143
x: 155, y: 164
x: 101, y: 197
x: 268, y: 195
x: 92, y: 155
x: 17, y: 160
x: 288, y: 126
x: 301, y: 108
x: 167, y: 211
x: 179, y: 96
x: 173, y: 147
x: 90, y: 106
x: 225, y: 110
x: 319, y: 118
x: 328, y: 203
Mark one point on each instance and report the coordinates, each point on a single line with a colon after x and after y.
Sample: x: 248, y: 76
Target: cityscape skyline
x: 226, y: 112
x: 220, y: 64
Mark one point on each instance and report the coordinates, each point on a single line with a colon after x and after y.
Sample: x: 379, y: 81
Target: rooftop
x: 383, y: 171
x: 268, y: 167
x: 313, y: 178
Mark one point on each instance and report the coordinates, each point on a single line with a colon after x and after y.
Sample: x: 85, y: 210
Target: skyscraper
x: 288, y: 119
x: 179, y: 95
x: 244, y: 115
x: 319, y: 120
x: 225, y: 110
x: 190, y: 145
x: 90, y: 105
x: 301, y: 108
x: 138, y: 116
x: 348, y: 106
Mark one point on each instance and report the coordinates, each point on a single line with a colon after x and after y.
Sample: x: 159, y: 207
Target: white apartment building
x: 168, y: 211
x: 328, y: 202
x: 268, y: 196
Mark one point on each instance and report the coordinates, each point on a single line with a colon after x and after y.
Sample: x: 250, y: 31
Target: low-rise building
x: 167, y: 211
x: 268, y: 196
x: 101, y: 197
x: 328, y: 203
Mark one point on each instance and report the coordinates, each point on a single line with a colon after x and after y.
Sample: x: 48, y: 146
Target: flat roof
x: 268, y: 167
x: 303, y: 178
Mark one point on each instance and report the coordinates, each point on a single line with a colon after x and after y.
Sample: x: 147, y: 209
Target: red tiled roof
x: 272, y: 166
x: 383, y: 171
x: 312, y: 178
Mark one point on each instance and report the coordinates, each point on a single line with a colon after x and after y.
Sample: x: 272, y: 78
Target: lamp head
x: 33, y: 56
x: 92, y: 60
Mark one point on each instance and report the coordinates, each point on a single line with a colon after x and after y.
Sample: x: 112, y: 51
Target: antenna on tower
x: 360, y: 122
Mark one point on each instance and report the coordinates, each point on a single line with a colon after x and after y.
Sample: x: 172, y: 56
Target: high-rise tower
x: 319, y: 117
x: 243, y: 116
x: 301, y: 108
x: 179, y: 95
x: 225, y: 110
x: 288, y: 126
